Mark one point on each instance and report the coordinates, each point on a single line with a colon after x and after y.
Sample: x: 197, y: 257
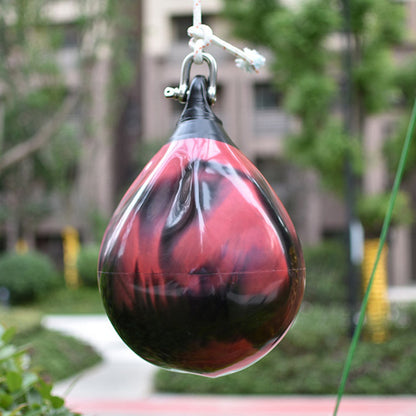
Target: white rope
x: 197, y: 13
x: 202, y: 36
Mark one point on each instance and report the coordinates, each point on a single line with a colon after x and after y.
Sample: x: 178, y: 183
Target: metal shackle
x: 181, y: 93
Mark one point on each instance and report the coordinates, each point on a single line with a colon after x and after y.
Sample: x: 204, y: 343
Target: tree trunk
x: 12, y: 222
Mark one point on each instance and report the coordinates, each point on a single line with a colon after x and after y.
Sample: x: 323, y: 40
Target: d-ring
x: 181, y: 93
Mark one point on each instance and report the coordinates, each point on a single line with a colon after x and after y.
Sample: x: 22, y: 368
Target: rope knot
x: 201, y: 37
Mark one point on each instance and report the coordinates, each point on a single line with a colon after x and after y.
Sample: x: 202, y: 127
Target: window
x: 181, y: 23
x: 71, y: 35
x: 269, y: 118
x: 266, y: 96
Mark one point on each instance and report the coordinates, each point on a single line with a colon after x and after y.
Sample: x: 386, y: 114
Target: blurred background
x: 82, y: 110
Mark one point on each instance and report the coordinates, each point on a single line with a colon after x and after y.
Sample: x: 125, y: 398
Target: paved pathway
x: 121, y: 376
x: 122, y: 385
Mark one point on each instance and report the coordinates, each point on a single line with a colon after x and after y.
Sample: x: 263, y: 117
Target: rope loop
x: 202, y: 36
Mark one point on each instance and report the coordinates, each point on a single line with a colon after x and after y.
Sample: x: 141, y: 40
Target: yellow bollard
x: 71, y: 247
x: 378, y: 308
x: 21, y: 246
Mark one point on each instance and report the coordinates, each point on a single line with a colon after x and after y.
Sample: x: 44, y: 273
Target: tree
x: 38, y: 147
x: 54, y: 135
x: 308, y: 69
x: 406, y: 82
x: 308, y: 42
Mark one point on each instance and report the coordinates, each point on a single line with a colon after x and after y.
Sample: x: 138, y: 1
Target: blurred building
x: 249, y: 107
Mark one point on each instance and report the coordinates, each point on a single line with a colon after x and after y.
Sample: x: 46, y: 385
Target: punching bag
x: 200, y: 268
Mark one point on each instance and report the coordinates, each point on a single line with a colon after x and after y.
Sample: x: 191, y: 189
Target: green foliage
x: 22, y: 318
x: 87, y: 264
x: 296, y: 366
x: 368, y: 78
x: 299, y: 47
x: 377, y: 26
x: 27, y: 276
x: 373, y: 208
x: 326, y: 153
x: 99, y: 223
x: 84, y: 300
x: 25, y: 114
x: 310, y: 359
x: 394, y: 146
x: 22, y: 391
x: 253, y: 28
x: 406, y: 83
x: 308, y: 72
x: 325, y: 271
x: 311, y: 95
x: 33, y: 90
x: 124, y: 46
x: 57, y: 163
x: 377, y: 22
x: 54, y: 355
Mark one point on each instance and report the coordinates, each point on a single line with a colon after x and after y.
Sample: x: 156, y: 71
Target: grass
x: 84, y: 300
x: 57, y: 356
x: 310, y: 360
x: 54, y: 355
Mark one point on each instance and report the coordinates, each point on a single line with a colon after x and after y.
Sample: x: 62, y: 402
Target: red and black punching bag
x: 200, y: 268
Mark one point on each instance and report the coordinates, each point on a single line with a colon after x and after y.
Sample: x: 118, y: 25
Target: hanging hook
x: 181, y: 93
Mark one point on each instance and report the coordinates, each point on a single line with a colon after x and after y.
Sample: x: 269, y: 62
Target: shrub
x: 22, y: 391
x: 27, y: 275
x: 325, y: 273
x: 87, y: 264
x: 310, y: 359
x: 307, y: 361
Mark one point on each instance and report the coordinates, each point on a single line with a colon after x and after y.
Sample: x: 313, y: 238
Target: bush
x: 87, y: 264
x: 27, y: 276
x: 310, y: 360
x: 22, y: 391
x: 307, y: 361
x: 326, y: 266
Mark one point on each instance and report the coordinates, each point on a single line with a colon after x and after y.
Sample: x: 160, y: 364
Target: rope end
x: 253, y: 62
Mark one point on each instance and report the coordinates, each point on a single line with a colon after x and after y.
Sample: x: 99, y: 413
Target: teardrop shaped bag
x: 200, y: 268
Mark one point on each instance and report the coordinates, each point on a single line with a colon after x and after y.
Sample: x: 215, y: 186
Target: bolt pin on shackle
x: 181, y: 93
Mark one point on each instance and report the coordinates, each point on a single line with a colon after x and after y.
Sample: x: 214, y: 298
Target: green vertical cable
x: 383, y: 236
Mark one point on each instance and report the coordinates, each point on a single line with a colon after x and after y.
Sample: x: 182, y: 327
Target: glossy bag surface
x: 200, y: 268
